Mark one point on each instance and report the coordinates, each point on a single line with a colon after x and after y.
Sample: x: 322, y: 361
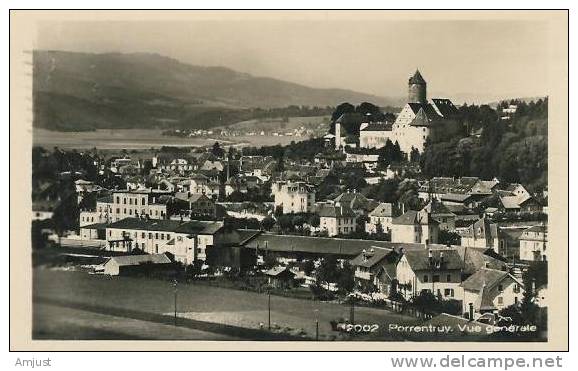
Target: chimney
x: 471, y: 312
x: 430, y: 256
x: 441, y: 258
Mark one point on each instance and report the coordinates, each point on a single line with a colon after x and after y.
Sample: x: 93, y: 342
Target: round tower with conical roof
x: 417, y: 89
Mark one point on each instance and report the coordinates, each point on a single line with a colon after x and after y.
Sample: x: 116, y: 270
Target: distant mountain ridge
x: 83, y: 91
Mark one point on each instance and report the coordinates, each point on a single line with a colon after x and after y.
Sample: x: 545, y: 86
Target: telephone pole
x: 316, y: 324
x: 269, y: 307
x: 175, y: 291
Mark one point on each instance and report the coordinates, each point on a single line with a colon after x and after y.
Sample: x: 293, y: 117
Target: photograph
x: 330, y: 177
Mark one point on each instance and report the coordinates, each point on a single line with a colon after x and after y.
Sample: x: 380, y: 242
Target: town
x: 435, y: 215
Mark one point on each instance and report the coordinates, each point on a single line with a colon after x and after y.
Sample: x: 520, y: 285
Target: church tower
x: 417, y: 89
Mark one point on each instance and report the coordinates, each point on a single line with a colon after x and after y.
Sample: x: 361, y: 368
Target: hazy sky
x: 469, y: 59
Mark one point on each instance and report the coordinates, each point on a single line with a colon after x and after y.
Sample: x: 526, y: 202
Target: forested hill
x: 514, y: 149
x: 82, y: 91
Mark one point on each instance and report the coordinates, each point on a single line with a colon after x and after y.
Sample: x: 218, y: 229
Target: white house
x: 533, y: 243
x: 294, y: 197
x: 435, y: 271
x: 491, y: 290
x: 337, y: 220
x: 415, y: 227
x: 187, y: 241
x: 117, y: 264
x: 375, y: 135
x: 380, y: 219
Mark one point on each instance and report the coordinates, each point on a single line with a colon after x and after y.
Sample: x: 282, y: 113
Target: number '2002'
x: 361, y: 328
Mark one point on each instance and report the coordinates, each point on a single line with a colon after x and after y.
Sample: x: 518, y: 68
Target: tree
x: 448, y: 238
x: 384, y: 191
x: 217, y: 151
x: 341, y: 109
x: 314, y: 220
x: 196, y: 268
x: 268, y: 223
x: 327, y: 271
x: 407, y: 194
x: 536, y: 275
x: 269, y: 260
x: 414, y: 155
x: 147, y: 167
x: 308, y: 266
x: 345, y: 280
x: 389, y: 154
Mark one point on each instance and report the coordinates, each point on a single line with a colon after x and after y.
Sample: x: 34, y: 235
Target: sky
x: 479, y: 60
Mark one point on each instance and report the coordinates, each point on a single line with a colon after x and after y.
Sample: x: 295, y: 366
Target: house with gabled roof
x: 491, y: 290
x: 118, y: 265
x: 415, y: 227
x: 337, y: 220
x: 187, y: 241
x: 441, y: 214
x: 381, y: 218
x: 533, y: 243
x: 375, y: 269
x: 438, y: 271
x: 356, y: 201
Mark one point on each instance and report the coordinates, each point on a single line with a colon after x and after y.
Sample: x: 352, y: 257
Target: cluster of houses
x: 176, y: 204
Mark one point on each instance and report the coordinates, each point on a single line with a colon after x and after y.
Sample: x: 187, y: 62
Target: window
x: 143, y: 201
x: 130, y: 201
x: 117, y: 200
x: 449, y: 292
x: 150, y: 235
x: 425, y: 278
x: 124, y: 200
x: 118, y: 210
x: 162, y: 236
x: 436, y: 278
x: 500, y: 288
x: 130, y: 211
x: 156, y: 236
x: 449, y: 278
x: 124, y: 211
x: 500, y: 300
x: 142, y: 235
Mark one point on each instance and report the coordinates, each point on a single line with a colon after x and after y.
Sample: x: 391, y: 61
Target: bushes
x: 321, y: 293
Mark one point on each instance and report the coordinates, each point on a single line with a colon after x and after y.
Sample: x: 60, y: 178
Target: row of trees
x: 514, y: 150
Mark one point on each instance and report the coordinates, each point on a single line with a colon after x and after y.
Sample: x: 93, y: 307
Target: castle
x: 418, y: 120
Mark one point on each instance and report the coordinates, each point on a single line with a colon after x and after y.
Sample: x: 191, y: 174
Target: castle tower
x: 417, y: 89
x: 338, y: 135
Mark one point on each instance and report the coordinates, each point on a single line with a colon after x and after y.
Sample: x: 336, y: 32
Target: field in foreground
x: 75, y: 305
